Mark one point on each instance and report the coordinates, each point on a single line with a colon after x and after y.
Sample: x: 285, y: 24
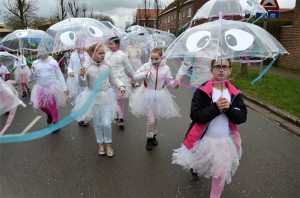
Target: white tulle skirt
x: 22, y: 70
x: 73, y: 87
x: 84, y: 102
x: 144, y: 101
x: 8, y: 97
x: 41, y: 96
x: 210, y: 157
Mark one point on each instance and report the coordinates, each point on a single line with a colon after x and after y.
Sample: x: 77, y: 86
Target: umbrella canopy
x: 22, y: 39
x: 226, y: 39
x: 212, y: 8
x: 8, y: 59
x: 75, y: 33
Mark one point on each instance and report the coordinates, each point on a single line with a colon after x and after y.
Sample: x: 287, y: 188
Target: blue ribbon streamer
x: 12, y: 138
x: 266, y: 69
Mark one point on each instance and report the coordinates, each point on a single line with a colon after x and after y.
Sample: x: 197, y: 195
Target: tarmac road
x: 66, y: 164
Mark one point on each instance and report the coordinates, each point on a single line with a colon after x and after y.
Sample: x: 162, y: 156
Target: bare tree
x: 178, y: 5
x: 157, y: 5
x: 84, y: 10
x: 60, y: 10
x: 20, y: 13
x: 146, y: 6
x: 75, y: 9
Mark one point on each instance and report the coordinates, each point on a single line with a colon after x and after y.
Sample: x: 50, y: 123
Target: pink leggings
x: 24, y: 83
x: 216, y: 187
x: 50, y: 109
x: 121, y: 104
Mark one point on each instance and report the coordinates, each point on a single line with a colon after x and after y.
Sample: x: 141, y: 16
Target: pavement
x: 278, y: 116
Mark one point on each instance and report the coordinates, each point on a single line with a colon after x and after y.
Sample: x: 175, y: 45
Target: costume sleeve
x: 169, y: 78
x: 128, y: 67
x: 115, y: 80
x: 202, y: 110
x: 182, y: 70
x: 237, y: 113
x: 70, y: 64
x: 140, y: 74
x: 60, y: 76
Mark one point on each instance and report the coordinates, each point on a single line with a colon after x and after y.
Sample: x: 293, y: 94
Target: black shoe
x: 149, y: 145
x: 49, y: 119
x: 154, y: 141
x: 24, y: 94
x: 7, y: 112
x: 194, y: 174
x: 28, y: 92
x: 57, y: 130
x: 85, y: 123
x: 121, y: 123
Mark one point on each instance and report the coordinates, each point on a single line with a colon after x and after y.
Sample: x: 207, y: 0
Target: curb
x: 291, y: 119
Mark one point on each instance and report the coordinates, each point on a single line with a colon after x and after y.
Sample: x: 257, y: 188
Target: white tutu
x: 144, y: 101
x: 8, y: 97
x: 22, y: 70
x: 73, y: 87
x: 103, y: 97
x: 40, y: 95
x: 127, y: 81
x: 210, y: 157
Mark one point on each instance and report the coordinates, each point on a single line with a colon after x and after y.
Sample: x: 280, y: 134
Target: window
x: 183, y: 13
x: 169, y: 19
x: 189, y: 12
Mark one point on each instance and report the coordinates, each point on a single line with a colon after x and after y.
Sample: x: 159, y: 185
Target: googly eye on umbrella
x: 74, y: 33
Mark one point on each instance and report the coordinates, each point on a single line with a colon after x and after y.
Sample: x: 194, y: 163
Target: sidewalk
x: 283, y: 119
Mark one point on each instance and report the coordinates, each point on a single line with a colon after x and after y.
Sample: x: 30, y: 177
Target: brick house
x: 290, y: 39
x: 167, y: 18
x: 146, y: 17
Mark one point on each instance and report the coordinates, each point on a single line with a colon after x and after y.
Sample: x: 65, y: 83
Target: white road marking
x: 31, y: 124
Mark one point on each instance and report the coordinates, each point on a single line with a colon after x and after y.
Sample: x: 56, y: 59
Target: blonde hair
x: 91, y: 50
x: 157, y: 50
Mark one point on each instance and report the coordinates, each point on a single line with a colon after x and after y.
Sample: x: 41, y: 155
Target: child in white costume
x: 78, y: 57
x: 153, y: 99
x: 121, y: 69
x: 134, y: 56
x: 104, y: 107
x: 48, y: 93
x: 22, y: 73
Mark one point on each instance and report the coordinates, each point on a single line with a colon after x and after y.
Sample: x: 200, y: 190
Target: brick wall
x: 290, y: 39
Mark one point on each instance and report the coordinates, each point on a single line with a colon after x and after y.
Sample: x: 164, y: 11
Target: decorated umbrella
x: 75, y: 33
x: 212, y: 8
x: 226, y: 39
x: 117, y: 31
x: 8, y: 59
x: 19, y: 40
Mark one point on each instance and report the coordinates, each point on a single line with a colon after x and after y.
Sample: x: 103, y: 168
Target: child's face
x: 99, y: 54
x: 221, y: 69
x: 113, y: 46
x: 155, y: 59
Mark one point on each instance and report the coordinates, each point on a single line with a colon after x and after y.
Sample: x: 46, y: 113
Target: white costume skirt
x: 42, y: 96
x: 85, y: 103
x: 8, y: 97
x: 210, y: 157
x: 73, y: 87
x: 146, y: 101
x: 22, y: 74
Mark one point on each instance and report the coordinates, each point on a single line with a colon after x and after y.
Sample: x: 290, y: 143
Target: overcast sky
x: 121, y: 11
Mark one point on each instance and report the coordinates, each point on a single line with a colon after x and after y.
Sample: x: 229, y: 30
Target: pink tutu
x: 40, y: 95
x: 210, y: 157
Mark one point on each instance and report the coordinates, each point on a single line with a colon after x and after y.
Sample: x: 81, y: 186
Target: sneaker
x: 49, y: 119
x: 109, y: 150
x: 154, y: 141
x: 149, y: 145
x: 24, y: 94
x: 121, y: 123
x: 80, y: 123
x: 101, y: 149
x: 85, y: 123
x: 194, y: 174
x: 57, y: 130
